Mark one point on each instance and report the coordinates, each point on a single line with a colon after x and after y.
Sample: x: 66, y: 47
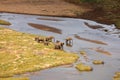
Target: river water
x: 70, y: 27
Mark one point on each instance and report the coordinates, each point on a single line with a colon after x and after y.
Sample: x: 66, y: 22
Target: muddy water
x: 87, y: 38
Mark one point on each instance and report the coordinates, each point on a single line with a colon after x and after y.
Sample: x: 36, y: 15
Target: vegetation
x: 73, y: 1
x: 3, y: 22
x: 116, y: 76
x: 19, y: 53
x: 117, y: 23
x: 80, y: 1
x: 106, y: 4
x: 106, y: 9
x: 83, y: 67
x: 98, y: 62
x: 14, y: 79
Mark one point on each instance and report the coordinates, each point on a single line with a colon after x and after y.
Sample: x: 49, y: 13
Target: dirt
x: 56, y: 8
x: 89, y: 40
x: 45, y: 28
x: 97, y: 14
x: 50, y: 19
x: 41, y: 7
x: 101, y: 51
x: 93, y: 26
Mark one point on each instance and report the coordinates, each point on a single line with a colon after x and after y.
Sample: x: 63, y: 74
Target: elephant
x: 69, y: 41
x: 39, y: 39
x: 59, y: 45
x: 50, y: 39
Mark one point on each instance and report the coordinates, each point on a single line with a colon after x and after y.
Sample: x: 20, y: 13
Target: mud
x: 50, y: 19
x: 45, y: 28
x: 93, y: 26
x: 89, y: 40
x: 101, y: 51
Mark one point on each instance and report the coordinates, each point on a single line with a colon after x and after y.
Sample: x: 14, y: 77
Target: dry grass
x: 19, y: 53
x: 116, y: 76
x: 3, y: 22
x: 14, y: 79
x: 83, y: 67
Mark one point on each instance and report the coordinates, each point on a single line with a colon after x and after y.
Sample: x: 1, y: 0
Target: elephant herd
x: 57, y: 44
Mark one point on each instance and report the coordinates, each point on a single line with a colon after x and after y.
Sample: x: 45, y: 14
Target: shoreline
x: 39, y: 56
x: 64, y: 16
x: 67, y: 16
x: 60, y: 8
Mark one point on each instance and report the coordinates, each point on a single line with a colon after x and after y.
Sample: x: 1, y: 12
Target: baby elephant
x: 59, y: 45
x: 46, y: 43
x: 50, y: 39
x: 69, y: 41
x: 39, y: 39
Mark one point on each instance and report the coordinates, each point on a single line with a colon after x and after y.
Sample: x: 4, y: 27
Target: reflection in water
x: 93, y: 41
x: 69, y: 42
x: 69, y: 45
x: 45, y: 28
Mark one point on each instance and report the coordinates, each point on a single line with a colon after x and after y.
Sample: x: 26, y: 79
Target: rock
x: 82, y: 52
x: 83, y: 67
x: 105, y: 30
x: 117, y: 75
x: 97, y: 62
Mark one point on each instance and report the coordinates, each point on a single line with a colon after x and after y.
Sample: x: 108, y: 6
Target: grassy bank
x: 19, y: 53
x: 104, y: 11
x: 14, y: 79
x: 3, y: 22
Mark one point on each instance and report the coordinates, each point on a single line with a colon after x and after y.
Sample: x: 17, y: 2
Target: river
x: 99, y: 41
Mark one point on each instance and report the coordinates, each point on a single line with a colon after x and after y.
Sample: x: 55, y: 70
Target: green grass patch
x: 3, y: 22
x: 19, y: 53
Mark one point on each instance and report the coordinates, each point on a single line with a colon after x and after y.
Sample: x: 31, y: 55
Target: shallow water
x: 71, y: 27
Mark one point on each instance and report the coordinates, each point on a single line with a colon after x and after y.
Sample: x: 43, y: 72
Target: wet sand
x: 89, y: 40
x: 45, y: 28
x: 101, y: 51
x: 93, y: 26
x: 50, y: 19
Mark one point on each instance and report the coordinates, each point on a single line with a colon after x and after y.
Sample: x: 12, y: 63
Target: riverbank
x: 60, y: 8
x: 19, y: 53
x: 106, y: 11
x: 84, y: 39
x: 41, y: 7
